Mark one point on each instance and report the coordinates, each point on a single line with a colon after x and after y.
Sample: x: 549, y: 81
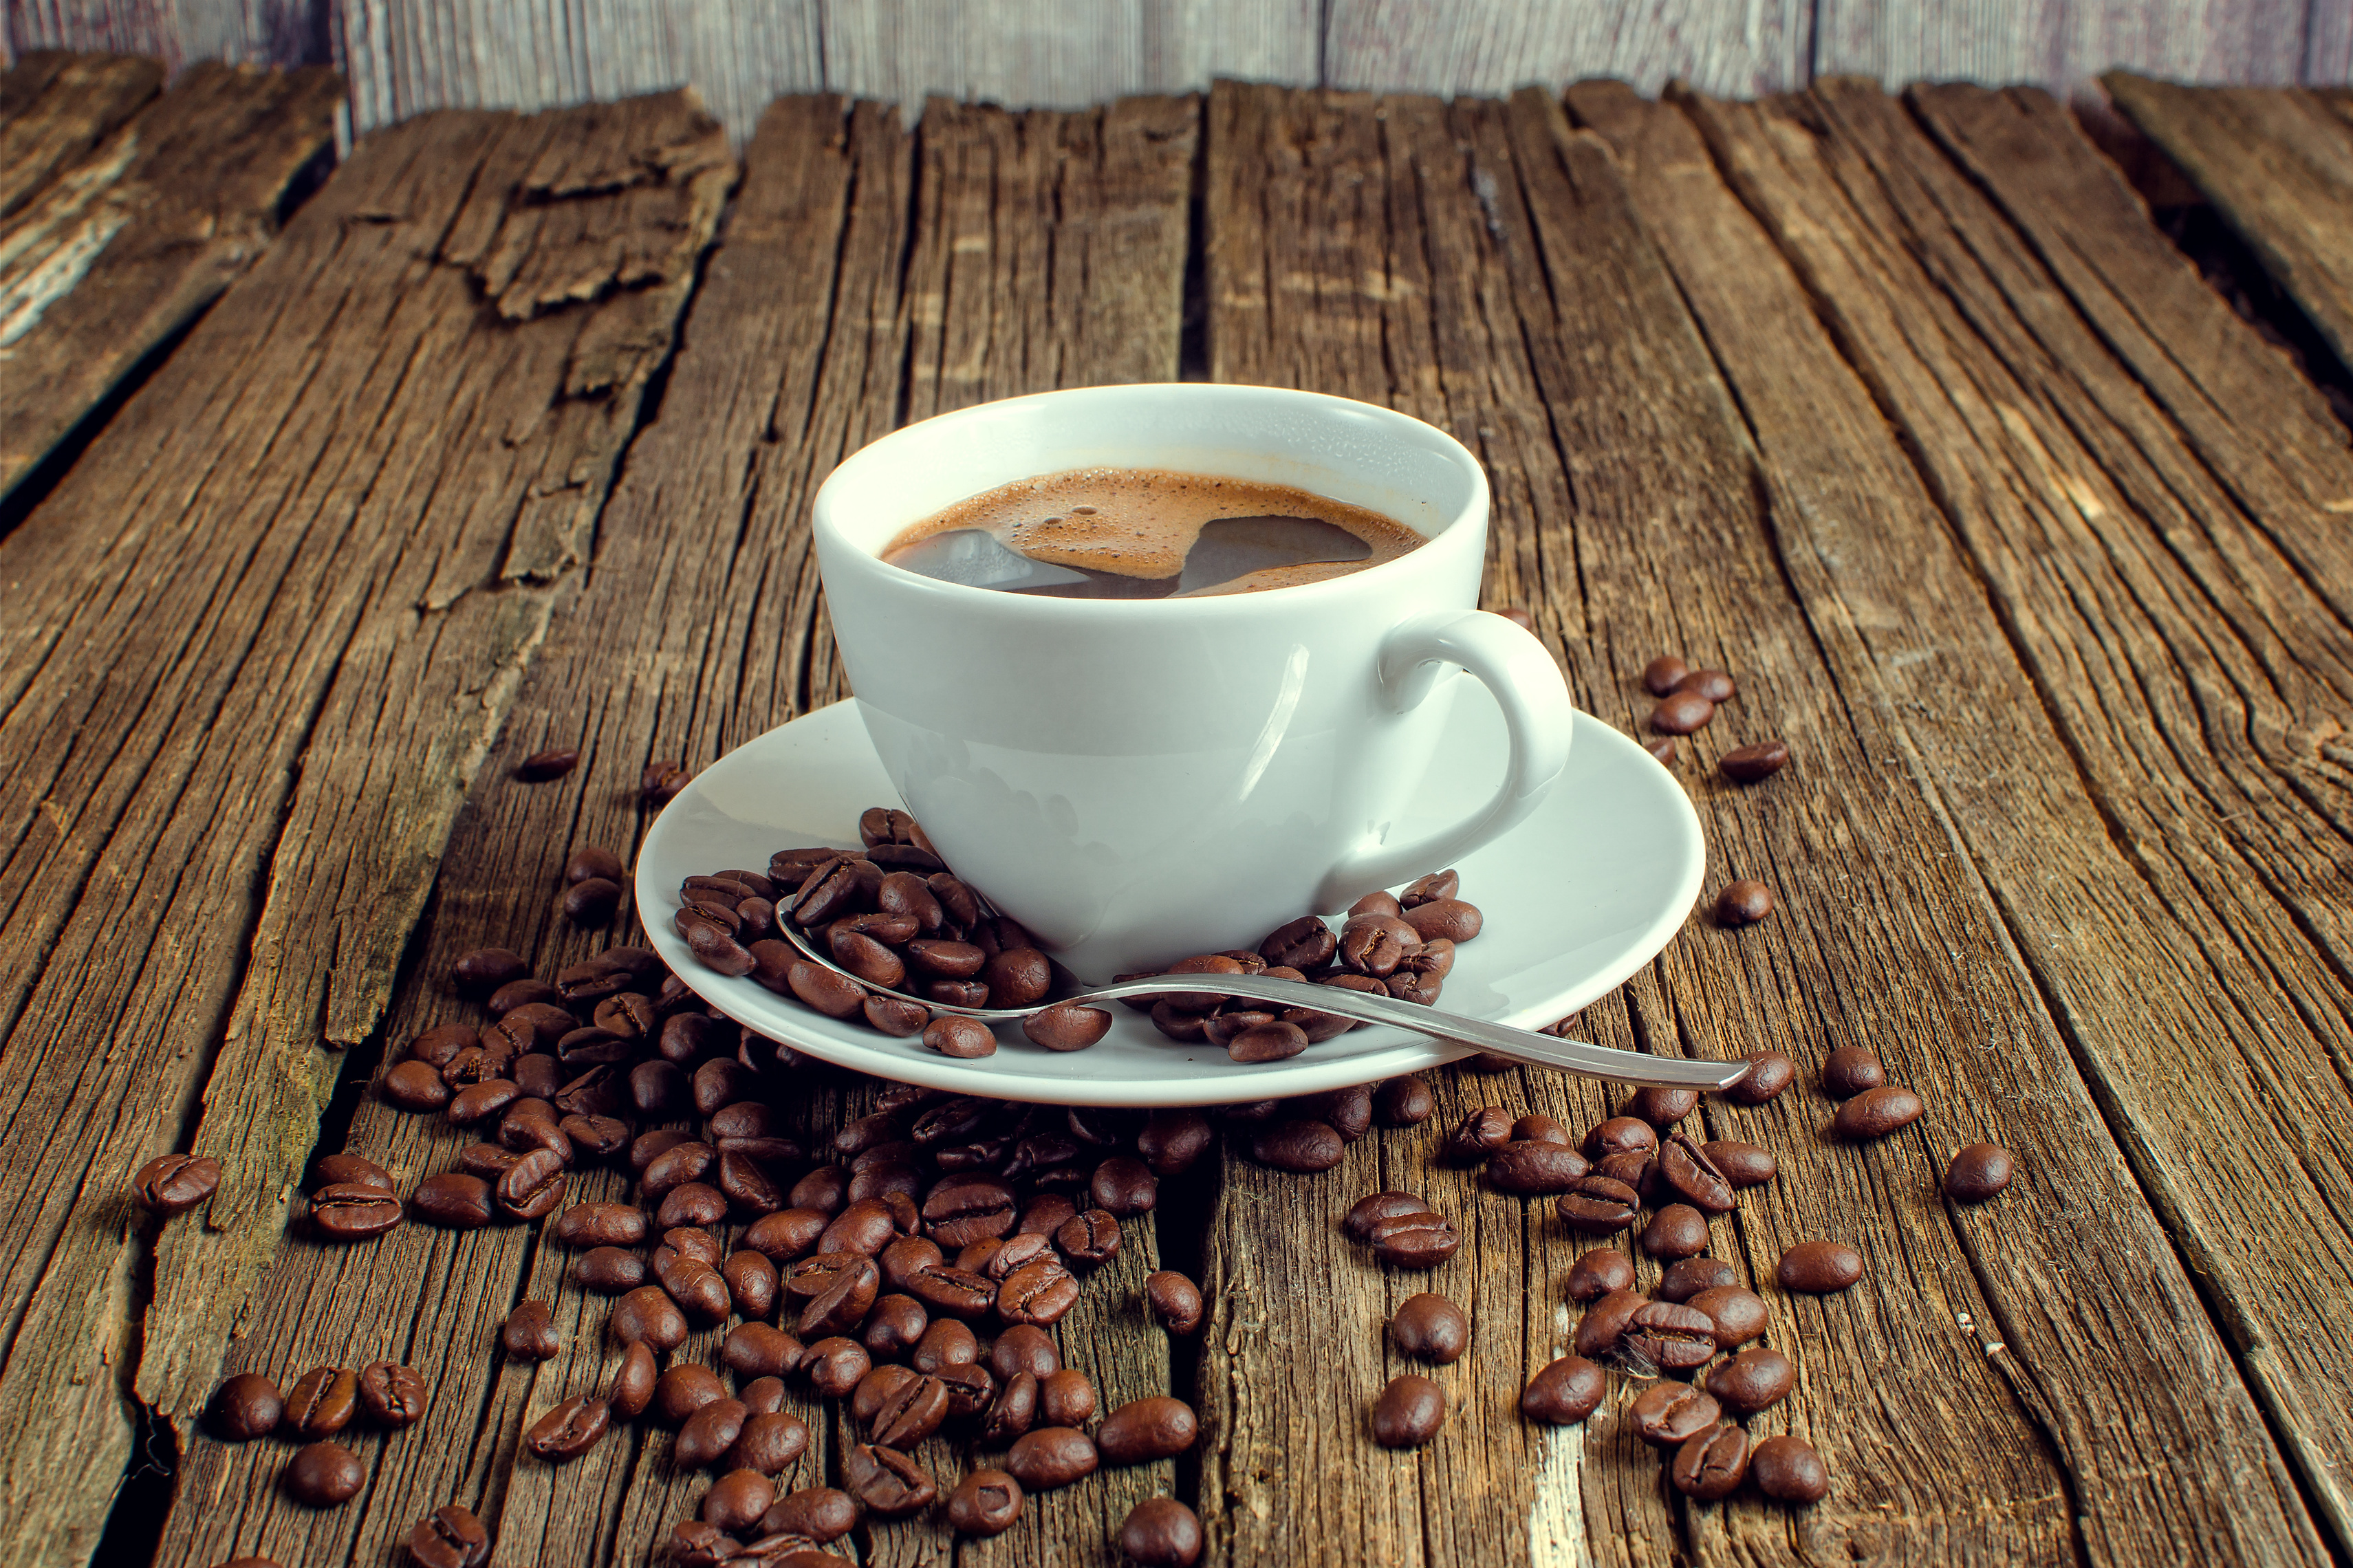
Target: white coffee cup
x: 1136, y: 781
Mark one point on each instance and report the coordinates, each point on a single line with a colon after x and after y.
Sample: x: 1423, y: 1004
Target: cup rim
x: 826, y: 532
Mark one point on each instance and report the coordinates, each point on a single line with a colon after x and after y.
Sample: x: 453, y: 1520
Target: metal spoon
x: 1520, y: 1045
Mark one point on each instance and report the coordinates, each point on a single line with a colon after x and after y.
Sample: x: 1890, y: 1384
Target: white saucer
x: 1579, y: 896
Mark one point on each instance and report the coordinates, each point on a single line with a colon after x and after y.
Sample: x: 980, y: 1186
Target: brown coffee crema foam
x: 1142, y: 523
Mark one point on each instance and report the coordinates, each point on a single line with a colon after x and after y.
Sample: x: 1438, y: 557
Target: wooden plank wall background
x: 404, y: 56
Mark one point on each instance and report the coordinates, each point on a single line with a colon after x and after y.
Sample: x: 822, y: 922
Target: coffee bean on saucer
x: 1273, y: 1041
x: 1743, y: 903
x: 1067, y: 1028
x: 1161, y: 1532
x: 1564, y: 1392
x: 1977, y: 1173
x: 964, y: 1039
x: 1683, y: 713
x: 1787, y: 1470
x: 541, y: 766
x: 1409, y: 1412
x: 1174, y: 1301
x: 1713, y: 684
x: 1876, y: 1112
x: 245, y: 1406
x: 1598, y: 1272
x: 1769, y: 1072
x: 1754, y: 763
x: 323, y: 1475
x: 1659, y: 675
x: 1711, y: 1463
x: 1667, y: 1414
x: 1662, y: 749
x: 1819, y: 1267
x: 1445, y: 919
x: 171, y: 1184
x: 1848, y: 1070
x: 1755, y: 1379
x: 1430, y: 1328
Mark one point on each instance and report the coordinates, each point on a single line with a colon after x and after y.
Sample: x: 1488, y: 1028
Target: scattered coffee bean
x: 1604, y: 1323
x: 592, y: 902
x: 1422, y: 1240
x: 529, y: 1333
x: 1667, y: 1414
x: 1713, y: 684
x: 416, y: 1085
x: 1023, y: 1347
x: 541, y: 766
x: 1743, y: 903
x: 1684, y: 1279
x: 1787, y: 1470
x: 1411, y: 1411
x: 1430, y: 1328
x: 835, y: 1366
x: 476, y: 974
x: 1711, y: 1463
x: 1659, y: 675
x: 1662, y: 1107
x: 985, y: 1503
x: 1755, y: 764
x: 1667, y: 1337
x: 1755, y: 1379
x: 1876, y: 1112
x: 1050, y: 1457
x: 1564, y: 1392
x: 1742, y: 1164
x: 1682, y: 713
x: 1534, y: 1168
x: 1174, y: 1301
x: 1621, y: 1135
x: 1123, y: 1187
x: 1302, y: 1148
x: 334, y: 1170
x: 1404, y: 1102
x: 1599, y: 1205
x: 1172, y: 1141
x: 353, y: 1211
x: 588, y: 861
x: 392, y: 1394
x: 706, y: 1436
x: 1161, y: 1532
x: 633, y: 1383
x: 1848, y: 1070
x: 454, y: 1199
x: 737, y: 1500
x: 323, y: 1475
x: 1598, y: 1272
x: 609, y: 1271
x: 1737, y: 1312
x: 321, y: 1402
x: 1819, y: 1267
x: 1769, y: 1072
x: 1685, y: 1168
x: 1662, y: 749
x: 1155, y: 1428
x: 1479, y: 1135
x: 570, y: 1430
x: 450, y: 1537
x: 245, y: 1406
x: 647, y: 1315
x: 171, y: 1184
x: 1065, y: 1398
x: 1977, y: 1173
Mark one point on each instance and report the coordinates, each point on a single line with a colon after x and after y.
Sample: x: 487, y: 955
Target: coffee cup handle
x: 1537, y: 717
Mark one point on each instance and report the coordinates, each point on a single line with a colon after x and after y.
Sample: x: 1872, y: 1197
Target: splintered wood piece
x: 695, y: 631
x: 2131, y: 793
x: 268, y: 589
x: 56, y: 108
x: 2277, y: 162
x: 1679, y: 545
x: 133, y: 238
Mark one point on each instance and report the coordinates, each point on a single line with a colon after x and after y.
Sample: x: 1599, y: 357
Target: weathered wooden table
x: 1900, y: 408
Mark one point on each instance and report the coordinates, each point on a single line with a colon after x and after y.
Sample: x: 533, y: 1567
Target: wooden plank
x: 2155, y: 612
x: 2061, y: 45
x: 267, y: 588
x: 56, y: 108
x: 1893, y: 925
x: 131, y: 243
x: 405, y: 57
x: 2278, y: 166
x: 285, y: 33
x: 698, y: 628
x: 1494, y: 46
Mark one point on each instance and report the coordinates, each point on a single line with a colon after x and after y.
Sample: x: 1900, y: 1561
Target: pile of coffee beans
x: 322, y: 1402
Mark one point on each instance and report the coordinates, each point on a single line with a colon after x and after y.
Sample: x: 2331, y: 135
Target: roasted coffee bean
x: 694, y: 1204
x: 1769, y: 1072
x: 321, y: 1404
x: 1819, y: 1267
x: 709, y: 1432
x: 1605, y: 1321
x: 437, y: 1047
x: 479, y: 1102
x: 1676, y: 1231
x: 1404, y: 1102
x: 1534, y: 1168
x: 759, y: 1350
x: 963, y: 1038
x: 1038, y: 1293
x: 1050, y: 1457
x: 1174, y: 1301
x: 953, y: 1292
x: 1411, y: 1411
x: 609, y: 1271
x: 910, y: 1412
x: 1017, y: 977
x: 743, y: 1183
x: 906, y: 1257
x: 171, y: 1184
x: 700, y: 1291
x: 1756, y: 1379
x: 824, y: 1189
x: 533, y: 1187
x: 588, y: 860
x: 1414, y: 1241
x: 1713, y: 684
x: 1172, y: 1141
x: 1304, y: 944
x: 1066, y: 1027
x: 416, y: 1085
x: 450, y: 1537
x: 1125, y: 1187
x: 601, y: 1224
x: 1684, y: 1167
x: 541, y: 766
x: 1668, y: 1336
x: 350, y: 1170
x: 1271, y: 1041
x: 841, y: 1303
x: 1876, y: 1112
x: 1662, y: 749
x: 245, y: 1406
x: 1755, y: 763
x: 1599, y: 1205
x: 1738, y: 1313
x: 1667, y: 1414
x: 834, y: 995
x: 822, y: 1514
x: 945, y: 1343
x: 1684, y: 1279
x: 570, y: 1430
x: 1636, y: 1168
x: 392, y: 1396
x: 349, y: 1211
x: 985, y: 1503
x: 477, y: 974
x: 1743, y: 903
x: 1787, y: 1470
x: 1977, y: 1173
x: 1142, y: 1429
x: 1375, y: 944
x: 696, y: 1544
x: 1564, y: 1392
x: 693, y: 1241
x: 632, y: 1388
x: 454, y: 1199
x: 1161, y: 1532
x: 887, y: 1483
x: 770, y: 1440
x: 528, y: 1125
x: 1300, y: 1147
x: 961, y: 1210
x: 1430, y: 1328
x: 1446, y: 920
x: 658, y: 1090
x: 1598, y: 1272
x: 592, y: 902
x: 1711, y: 1462
x: 1659, y: 675
x: 896, y: 1015
x: 1370, y: 1212
x: 684, y: 1389
x: 1621, y: 1135
x: 751, y: 1281
x: 1743, y: 1164
x: 1044, y: 1215
x: 1090, y: 1238
x: 1848, y: 1070
x: 1538, y: 1128
x: 1376, y: 904
x: 786, y: 1235
x: 865, y: 1228
x: 892, y: 1326
x: 1662, y: 1107
x: 836, y: 1365
x: 1682, y: 713
x: 737, y: 1500
x: 1185, y: 1028
x: 1022, y: 1349
x: 648, y: 1315
x: 323, y: 1475
x: 529, y: 1333
x: 1013, y: 1412
x: 1066, y: 1398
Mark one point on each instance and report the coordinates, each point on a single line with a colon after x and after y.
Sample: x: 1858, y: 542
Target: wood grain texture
x: 179, y: 32
x: 2061, y: 45
x: 56, y: 108
x: 132, y: 242
x: 1494, y: 46
x: 2126, y: 537
x: 2278, y: 166
x: 698, y: 627
x: 216, y: 849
